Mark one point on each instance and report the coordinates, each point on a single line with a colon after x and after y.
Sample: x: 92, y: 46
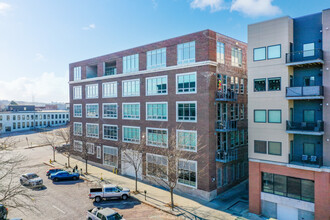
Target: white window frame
x: 130, y: 103
x: 76, y: 96
x: 122, y: 87
x: 74, y: 145
x: 106, y: 146
x: 177, y: 111
x: 88, y: 90
x: 155, y: 52
x: 147, y: 103
x: 98, y: 110
x: 109, y: 104
x: 74, y: 114
x: 77, y: 123
x: 196, y: 167
x: 115, y: 85
x: 187, y: 60
x: 155, y: 77
x: 176, y: 83
x: 98, y: 133
x: 157, y: 155
x: 98, y: 152
x: 91, y: 148
x: 159, y: 129
x: 123, y: 129
x: 219, y: 45
x: 76, y: 73
x: 177, y: 140
x: 104, y: 132
x: 131, y: 57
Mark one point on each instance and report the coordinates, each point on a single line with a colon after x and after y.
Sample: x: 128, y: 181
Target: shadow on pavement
x: 118, y: 203
x: 68, y: 182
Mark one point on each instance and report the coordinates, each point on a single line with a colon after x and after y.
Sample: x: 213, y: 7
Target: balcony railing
x: 226, y: 96
x: 225, y: 126
x: 225, y: 157
x: 306, y: 160
x: 312, y: 128
x: 304, y: 92
x: 305, y: 57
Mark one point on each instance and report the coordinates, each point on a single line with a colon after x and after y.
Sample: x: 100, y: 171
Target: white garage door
x: 286, y: 213
x: 127, y: 168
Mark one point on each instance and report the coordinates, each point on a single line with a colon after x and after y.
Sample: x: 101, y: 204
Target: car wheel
x: 97, y: 199
x: 21, y: 181
x: 124, y: 197
x: 74, y: 178
x: 55, y: 179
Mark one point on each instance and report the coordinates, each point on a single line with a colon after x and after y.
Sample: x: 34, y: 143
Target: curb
x: 48, y: 164
x: 35, y: 146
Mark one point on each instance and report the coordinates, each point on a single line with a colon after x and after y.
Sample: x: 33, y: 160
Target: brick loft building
x: 289, y: 117
x: 192, y: 86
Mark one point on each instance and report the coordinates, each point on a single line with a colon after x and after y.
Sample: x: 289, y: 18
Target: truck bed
x: 95, y: 190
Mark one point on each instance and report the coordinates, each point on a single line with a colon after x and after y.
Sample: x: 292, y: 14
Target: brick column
x: 322, y: 195
x: 254, y: 188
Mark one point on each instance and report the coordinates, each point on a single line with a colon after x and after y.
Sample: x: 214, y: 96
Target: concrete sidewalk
x: 156, y: 197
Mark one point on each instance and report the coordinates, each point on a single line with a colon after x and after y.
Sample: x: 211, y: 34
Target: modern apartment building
x: 191, y: 86
x: 25, y: 117
x: 289, y: 117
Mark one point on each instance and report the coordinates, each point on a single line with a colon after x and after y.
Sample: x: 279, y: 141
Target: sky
x: 39, y: 38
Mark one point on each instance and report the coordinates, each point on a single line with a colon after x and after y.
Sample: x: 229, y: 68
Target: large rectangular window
x: 260, y: 116
x: 260, y: 147
x: 131, y: 134
x: 259, y: 85
x: 77, y: 73
x: 77, y: 128
x: 156, y: 111
x: 90, y: 148
x: 156, y: 85
x: 157, y: 137
x: 187, y: 172
x: 110, y: 110
x: 110, y: 132
x: 186, y: 140
x: 77, y: 92
x: 77, y: 110
x: 220, y: 52
x: 259, y: 53
x: 274, y: 116
x: 275, y: 148
x: 131, y: 87
x: 186, y: 111
x: 92, y: 130
x: 157, y: 166
x: 131, y: 63
x: 156, y: 58
x: 242, y: 86
x: 77, y: 146
x: 309, y: 116
x: 309, y: 149
x: 274, y: 84
x: 92, y: 91
x: 309, y: 50
x: 92, y: 110
x: 109, y: 90
x: 274, y: 51
x: 131, y: 111
x: 186, y: 83
x: 236, y: 56
x: 186, y: 52
x: 110, y: 156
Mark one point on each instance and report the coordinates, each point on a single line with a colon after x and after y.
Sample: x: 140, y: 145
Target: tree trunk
x: 172, y: 202
x: 69, y: 160
x: 54, y: 154
x: 86, y: 165
x: 136, y: 181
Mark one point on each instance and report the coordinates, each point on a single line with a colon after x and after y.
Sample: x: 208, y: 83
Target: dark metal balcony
x: 229, y: 95
x: 307, y: 57
x: 304, y: 92
x: 225, y: 157
x: 225, y: 126
x: 308, y: 128
x: 305, y: 160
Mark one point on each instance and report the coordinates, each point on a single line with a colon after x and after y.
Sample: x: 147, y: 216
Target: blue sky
x: 39, y: 38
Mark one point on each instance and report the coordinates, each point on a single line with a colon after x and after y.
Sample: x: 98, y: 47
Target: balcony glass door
x: 309, y: 50
x: 309, y: 115
x: 309, y: 81
x: 309, y: 149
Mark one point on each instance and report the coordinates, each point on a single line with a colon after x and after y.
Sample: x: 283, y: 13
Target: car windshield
x: 114, y: 217
x: 32, y: 176
x: 120, y: 188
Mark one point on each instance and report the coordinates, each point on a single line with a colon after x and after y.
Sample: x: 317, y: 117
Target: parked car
x: 53, y: 170
x: 31, y: 179
x: 108, y: 191
x: 3, y: 212
x: 103, y: 214
x: 64, y: 175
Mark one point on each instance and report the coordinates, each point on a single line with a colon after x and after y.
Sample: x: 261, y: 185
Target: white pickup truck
x: 103, y: 214
x: 108, y: 191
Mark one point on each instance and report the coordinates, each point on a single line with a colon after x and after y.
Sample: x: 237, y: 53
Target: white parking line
x: 59, y: 209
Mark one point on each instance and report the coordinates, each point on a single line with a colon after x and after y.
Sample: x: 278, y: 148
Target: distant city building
x: 17, y: 108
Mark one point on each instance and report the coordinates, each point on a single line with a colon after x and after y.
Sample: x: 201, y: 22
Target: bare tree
x: 50, y: 138
x: 87, y: 148
x: 64, y: 135
x: 168, y: 172
x: 7, y: 143
x: 132, y: 155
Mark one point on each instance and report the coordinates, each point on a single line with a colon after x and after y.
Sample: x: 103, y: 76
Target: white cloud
x: 254, y: 8
x: 45, y: 88
x: 89, y: 27
x: 215, y: 5
x: 4, y: 7
x: 39, y: 57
